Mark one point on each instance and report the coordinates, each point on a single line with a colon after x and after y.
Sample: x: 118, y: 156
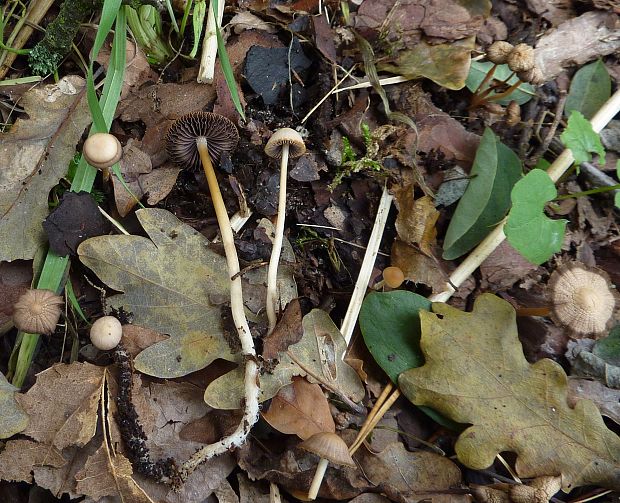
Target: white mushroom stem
x: 209, y: 44
x: 276, y: 250
x: 495, y: 238
x: 318, y: 478
x: 250, y: 412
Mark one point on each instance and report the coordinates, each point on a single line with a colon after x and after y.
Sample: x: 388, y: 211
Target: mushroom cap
x: 102, y: 150
x: 328, y: 445
x: 534, y: 76
x: 37, y: 311
x: 106, y: 333
x: 521, y: 58
x: 499, y: 51
x: 285, y: 135
x: 513, y: 113
x: 220, y: 133
x: 393, y: 276
x: 581, y: 298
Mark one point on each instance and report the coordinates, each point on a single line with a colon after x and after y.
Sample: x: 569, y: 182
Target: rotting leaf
x: 416, y: 219
x: 320, y: 352
x: 168, y: 283
x: 528, y: 229
x: 487, y: 198
x: 35, y: 154
x: 476, y: 373
x: 300, y: 409
x: 12, y: 418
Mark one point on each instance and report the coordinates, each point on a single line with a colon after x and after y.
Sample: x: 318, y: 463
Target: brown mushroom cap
x: 521, y: 58
x: 534, y: 76
x: 220, y: 133
x: 499, y: 51
x: 581, y: 298
x: 285, y: 135
x: 37, y: 311
x: 328, y: 445
x: 102, y: 150
x: 393, y: 276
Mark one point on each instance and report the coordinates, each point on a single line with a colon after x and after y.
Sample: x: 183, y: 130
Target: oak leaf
x: 475, y: 373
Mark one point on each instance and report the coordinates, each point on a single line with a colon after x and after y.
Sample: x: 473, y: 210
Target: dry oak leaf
x: 475, y: 373
x: 34, y: 155
x: 300, y: 409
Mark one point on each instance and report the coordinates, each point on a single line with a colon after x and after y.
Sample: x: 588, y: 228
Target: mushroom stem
x: 250, y: 413
x: 318, y: 478
x: 272, y: 274
x: 533, y: 311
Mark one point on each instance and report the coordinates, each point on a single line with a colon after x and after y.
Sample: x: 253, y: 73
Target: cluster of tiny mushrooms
x: 581, y: 297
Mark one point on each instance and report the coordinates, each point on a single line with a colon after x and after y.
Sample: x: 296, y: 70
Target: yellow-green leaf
x: 476, y: 373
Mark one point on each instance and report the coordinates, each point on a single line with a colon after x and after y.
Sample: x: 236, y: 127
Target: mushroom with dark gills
x: 331, y: 449
x: 193, y: 140
x: 284, y: 143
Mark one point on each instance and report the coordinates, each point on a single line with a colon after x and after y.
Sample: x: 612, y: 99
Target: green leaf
x: 609, y: 348
x: 528, y: 229
x: 617, y: 199
x: 589, y: 89
x: 390, y: 324
x: 12, y: 419
x: 581, y: 139
x: 487, y: 197
x: 478, y: 71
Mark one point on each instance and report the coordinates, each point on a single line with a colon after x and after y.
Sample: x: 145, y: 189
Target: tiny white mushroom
x: 284, y: 143
x: 106, y: 333
x: 102, y: 150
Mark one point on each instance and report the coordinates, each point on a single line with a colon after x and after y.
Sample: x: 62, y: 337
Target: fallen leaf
x: 320, y: 352
x: 245, y: 20
x: 19, y: 457
x: 12, y: 419
x: 300, y: 409
x: 475, y: 373
x: 502, y: 73
x: 15, y: 279
x: 417, y: 266
x: 137, y: 70
x: 504, y: 267
x: 416, y: 219
x: 606, y: 399
x: 168, y: 282
x: 34, y: 155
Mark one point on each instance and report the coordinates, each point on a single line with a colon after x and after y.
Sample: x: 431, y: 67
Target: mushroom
x: 106, y: 333
x: 192, y: 140
x: 581, y: 298
x: 331, y: 449
x: 521, y: 58
x: 393, y: 276
x: 498, y: 52
x: 284, y: 143
x: 102, y: 150
x: 37, y: 311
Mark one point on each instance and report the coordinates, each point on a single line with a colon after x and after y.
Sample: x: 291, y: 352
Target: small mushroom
x: 284, y: 143
x: 534, y: 76
x: 102, y: 150
x: 37, y: 311
x: 331, y: 449
x: 521, y: 58
x: 581, y: 298
x: 106, y: 333
x: 393, y: 276
x: 513, y: 114
x: 499, y: 51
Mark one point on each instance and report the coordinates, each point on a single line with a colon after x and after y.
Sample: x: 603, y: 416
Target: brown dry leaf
x: 63, y: 404
x: 15, y: 279
x: 35, y: 154
x: 137, y: 338
x: 137, y: 69
x: 300, y: 409
x: 577, y: 41
x: 417, y: 266
x: 225, y: 493
x: 416, y: 219
x: 288, y: 331
x: 20, y: 457
x: 475, y: 373
x: 158, y: 183
x: 504, y: 267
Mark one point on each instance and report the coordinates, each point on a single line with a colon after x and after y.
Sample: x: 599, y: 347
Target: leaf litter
x: 172, y: 284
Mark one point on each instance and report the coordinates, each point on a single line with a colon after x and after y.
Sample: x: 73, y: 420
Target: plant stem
x: 250, y: 412
x: 597, y: 190
x: 533, y: 311
x: 209, y: 44
x: 276, y: 251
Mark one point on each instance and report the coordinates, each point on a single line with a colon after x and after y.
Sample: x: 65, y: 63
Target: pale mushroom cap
x: 282, y: 136
x: 499, y: 51
x: 534, y: 76
x: 106, y: 333
x: 328, y: 445
x: 102, y: 150
x: 521, y: 58
x: 393, y: 276
x: 37, y: 311
x: 581, y: 298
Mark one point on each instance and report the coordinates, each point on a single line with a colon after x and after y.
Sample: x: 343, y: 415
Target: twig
x: 209, y: 44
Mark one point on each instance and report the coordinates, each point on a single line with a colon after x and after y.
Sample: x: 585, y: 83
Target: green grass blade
x: 74, y: 302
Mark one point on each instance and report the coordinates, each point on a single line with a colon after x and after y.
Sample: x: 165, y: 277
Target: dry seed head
x: 37, y: 311
x: 581, y: 298
x: 521, y: 58
x: 102, y: 150
x: 499, y: 51
x: 220, y: 133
